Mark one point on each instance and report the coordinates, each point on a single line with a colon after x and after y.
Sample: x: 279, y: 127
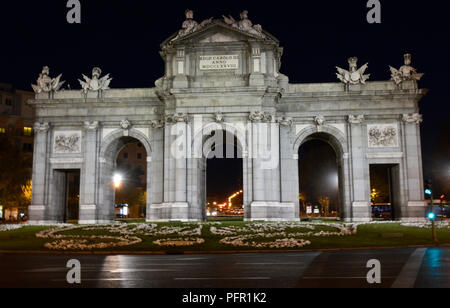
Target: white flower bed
x: 127, y: 235
x: 4, y: 228
x: 179, y: 242
x: 253, y: 235
x: 79, y: 242
x: 246, y: 236
x: 427, y: 225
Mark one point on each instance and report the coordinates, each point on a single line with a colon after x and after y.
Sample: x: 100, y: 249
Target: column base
x: 416, y: 211
x: 167, y: 212
x: 88, y: 214
x: 95, y: 222
x: 272, y: 211
x: 36, y: 214
x: 42, y: 223
x: 361, y: 212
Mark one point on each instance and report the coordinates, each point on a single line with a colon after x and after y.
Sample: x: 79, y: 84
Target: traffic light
x: 428, y: 188
x: 431, y: 216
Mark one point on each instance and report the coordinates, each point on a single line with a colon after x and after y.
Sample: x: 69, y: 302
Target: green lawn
x: 368, y: 236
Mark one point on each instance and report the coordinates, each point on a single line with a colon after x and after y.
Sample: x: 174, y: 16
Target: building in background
x: 17, y: 117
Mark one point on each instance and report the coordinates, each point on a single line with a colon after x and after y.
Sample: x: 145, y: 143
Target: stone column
x: 38, y: 210
x: 176, y: 205
x: 89, y: 211
x: 155, y: 174
x: 266, y: 163
x: 289, y: 168
x: 267, y: 204
x: 413, y: 164
x: 360, y: 177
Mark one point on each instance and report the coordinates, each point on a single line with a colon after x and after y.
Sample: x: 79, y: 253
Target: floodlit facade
x: 224, y: 76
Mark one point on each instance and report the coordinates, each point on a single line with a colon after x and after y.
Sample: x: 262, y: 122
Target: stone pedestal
x: 272, y: 211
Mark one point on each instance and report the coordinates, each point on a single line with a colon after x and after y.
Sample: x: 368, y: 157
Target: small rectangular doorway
x: 385, y: 191
x: 67, y: 184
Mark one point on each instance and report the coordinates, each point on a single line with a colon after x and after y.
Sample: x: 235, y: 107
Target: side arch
x: 112, y: 140
x: 110, y: 148
x: 336, y: 139
x: 330, y: 134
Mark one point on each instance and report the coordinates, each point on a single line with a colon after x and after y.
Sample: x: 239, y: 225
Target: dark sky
x: 123, y: 37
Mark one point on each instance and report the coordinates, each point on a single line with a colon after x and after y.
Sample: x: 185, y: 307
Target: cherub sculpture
x: 47, y: 84
x: 406, y: 72
x: 353, y: 75
x: 96, y: 83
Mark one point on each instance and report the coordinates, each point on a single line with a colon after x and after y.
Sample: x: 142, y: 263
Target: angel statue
x: 245, y: 24
x: 96, y: 83
x: 354, y: 75
x: 406, y: 72
x: 47, y: 84
x: 190, y: 25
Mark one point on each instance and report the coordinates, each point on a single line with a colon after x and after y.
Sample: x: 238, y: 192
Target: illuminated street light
x: 431, y: 216
x: 117, y: 180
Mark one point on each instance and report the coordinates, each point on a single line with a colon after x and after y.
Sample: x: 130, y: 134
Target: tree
x: 15, y: 170
x: 27, y: 192
x: 325, y: 203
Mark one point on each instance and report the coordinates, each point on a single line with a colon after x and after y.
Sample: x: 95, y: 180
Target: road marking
x: 135, y: 270
x: 310, y: 278
x: 301, y: 263
x: 231, y: 278
x: 101, y: 279
x: 408, y: 275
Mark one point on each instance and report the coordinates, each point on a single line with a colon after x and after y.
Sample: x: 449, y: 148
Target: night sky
x: 123, y: 38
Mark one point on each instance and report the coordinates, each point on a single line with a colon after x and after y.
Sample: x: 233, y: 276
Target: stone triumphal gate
x: 223, y: 75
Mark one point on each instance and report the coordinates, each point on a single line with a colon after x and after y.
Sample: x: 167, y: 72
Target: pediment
x: 218, y: 37
x: 218, y: 32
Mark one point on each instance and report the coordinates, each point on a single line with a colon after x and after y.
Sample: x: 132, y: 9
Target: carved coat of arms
x: 383, y: 136
x: 67, y: 143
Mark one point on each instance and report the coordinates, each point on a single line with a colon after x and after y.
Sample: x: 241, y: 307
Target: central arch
x: 206, y: 144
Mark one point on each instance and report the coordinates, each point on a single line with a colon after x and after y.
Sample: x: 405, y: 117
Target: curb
x: 230, y: 252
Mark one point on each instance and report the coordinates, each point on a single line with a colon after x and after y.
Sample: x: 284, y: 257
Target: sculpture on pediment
x: 406, y: 72
x: 353, y: 75
x: 47, y: 84
x: 96, y: 83
x: 245, y: 24
x: 190, y: 25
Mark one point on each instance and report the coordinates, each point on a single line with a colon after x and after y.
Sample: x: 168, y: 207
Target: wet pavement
x: 400, y: 268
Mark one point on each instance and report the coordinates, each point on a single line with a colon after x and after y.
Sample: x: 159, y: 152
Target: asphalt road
x: 407, y: 268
